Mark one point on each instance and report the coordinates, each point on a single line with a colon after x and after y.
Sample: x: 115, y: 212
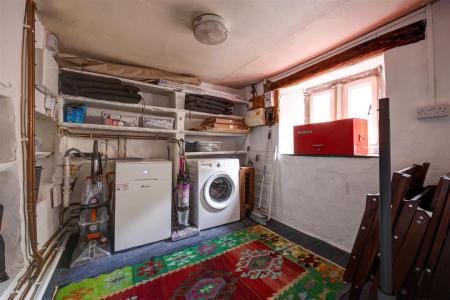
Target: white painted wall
x: 325, y: 196
x: 407, y: 86
x: 11, y: 175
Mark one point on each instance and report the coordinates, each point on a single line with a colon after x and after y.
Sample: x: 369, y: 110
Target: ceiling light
x: 210, y: 29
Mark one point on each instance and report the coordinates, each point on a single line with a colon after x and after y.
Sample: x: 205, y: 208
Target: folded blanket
x: 206, y: 105
x: 98, y: 87
x: 209, y: 99
x: 209, y: 110
x: 130, y: 98
x: 83, y: 91
x: 87, y: 77
x: 95, y: 84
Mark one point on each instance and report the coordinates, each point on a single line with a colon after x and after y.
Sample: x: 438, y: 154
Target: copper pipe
x: 31, y: 159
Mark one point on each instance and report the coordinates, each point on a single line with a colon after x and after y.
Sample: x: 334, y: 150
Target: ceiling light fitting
x: 209, y: 29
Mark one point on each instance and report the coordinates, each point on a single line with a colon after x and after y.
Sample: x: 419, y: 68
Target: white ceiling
x: 265, y: 36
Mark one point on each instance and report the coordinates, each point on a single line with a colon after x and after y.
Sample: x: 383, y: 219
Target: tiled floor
x: 63, y: 275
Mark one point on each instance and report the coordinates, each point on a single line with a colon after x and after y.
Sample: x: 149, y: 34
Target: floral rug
x: 253, y: 263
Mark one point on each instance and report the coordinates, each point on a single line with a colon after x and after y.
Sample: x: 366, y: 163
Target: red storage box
x: 341, y: 137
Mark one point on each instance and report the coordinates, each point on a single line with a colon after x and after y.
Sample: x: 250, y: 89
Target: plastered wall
x: 11, y: 175
x: 325, y: 196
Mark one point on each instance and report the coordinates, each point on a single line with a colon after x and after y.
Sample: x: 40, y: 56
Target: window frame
x: 375, y: 96
x: 309, y: 103
x: 339, y: 97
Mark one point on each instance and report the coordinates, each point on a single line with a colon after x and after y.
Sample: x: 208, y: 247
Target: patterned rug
x: 253, y: 263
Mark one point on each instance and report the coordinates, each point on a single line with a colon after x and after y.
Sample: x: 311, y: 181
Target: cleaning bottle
x: 183, y: 188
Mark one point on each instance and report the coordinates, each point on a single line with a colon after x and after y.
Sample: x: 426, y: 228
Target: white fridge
x: 143, y: 201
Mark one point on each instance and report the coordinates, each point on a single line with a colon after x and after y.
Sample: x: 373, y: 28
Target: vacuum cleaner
x: 183, y: 228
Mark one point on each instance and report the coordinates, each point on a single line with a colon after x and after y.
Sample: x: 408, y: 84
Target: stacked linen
x: 101, y: 88
x: 208, y: 104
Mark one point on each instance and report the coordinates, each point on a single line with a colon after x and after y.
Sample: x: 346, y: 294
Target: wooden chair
x: 405, y: 184
x: 410, y: 287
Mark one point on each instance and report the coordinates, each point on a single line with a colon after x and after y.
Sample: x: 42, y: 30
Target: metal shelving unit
x: 99, y: 129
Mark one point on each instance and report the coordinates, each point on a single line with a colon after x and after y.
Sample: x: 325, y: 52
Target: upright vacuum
x: 182, y: 196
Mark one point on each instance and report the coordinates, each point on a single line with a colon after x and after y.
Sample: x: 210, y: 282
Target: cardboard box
x: 256, y: 117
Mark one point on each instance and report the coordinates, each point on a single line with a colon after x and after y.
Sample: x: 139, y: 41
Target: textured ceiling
x: 265, y: 36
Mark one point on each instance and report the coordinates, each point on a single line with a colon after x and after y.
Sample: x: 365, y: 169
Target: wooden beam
x: 403, y: 36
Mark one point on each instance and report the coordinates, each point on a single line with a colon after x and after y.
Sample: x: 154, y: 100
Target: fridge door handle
x: 147, y: 179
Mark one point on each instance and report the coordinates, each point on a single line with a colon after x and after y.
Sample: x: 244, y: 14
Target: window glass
x: 359, y: 103
x: 321, y: 107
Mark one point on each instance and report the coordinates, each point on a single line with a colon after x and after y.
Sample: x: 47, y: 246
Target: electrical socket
x: 432, y: 111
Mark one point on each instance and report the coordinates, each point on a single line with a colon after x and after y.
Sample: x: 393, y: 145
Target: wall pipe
x: 67, y: 186
x: 31, y: 159
x: 385, y: 220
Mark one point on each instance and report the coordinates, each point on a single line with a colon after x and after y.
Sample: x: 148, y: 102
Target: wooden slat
x: 368, y: 219
x: 409, y: 248
x: 412, y: 282
x: 404, y: 220
x: 406, y: 215
x: 399, y: 186
x: 430, y: 266
x: 418, y: 173
x: 368, y: 254
x: 440, y: 288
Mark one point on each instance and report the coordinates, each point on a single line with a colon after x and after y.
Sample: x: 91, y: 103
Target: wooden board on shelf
x: 224, y: 121
x: 211, y: 129
x: 224, y: 127
x: 202, y: 115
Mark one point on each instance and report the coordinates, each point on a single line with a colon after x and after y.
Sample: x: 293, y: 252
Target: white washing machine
x: 214, y: 191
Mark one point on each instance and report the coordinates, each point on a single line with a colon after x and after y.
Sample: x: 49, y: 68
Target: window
x: 360, y: 101
x: 352, y: 93
x: 321, y: 107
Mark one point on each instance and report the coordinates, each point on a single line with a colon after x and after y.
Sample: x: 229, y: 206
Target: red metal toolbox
x: 340, y: 137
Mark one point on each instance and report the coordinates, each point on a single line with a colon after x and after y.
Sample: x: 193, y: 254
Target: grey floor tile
x: 304, y: 240
x: 343, y: 261
x: 328, y: 251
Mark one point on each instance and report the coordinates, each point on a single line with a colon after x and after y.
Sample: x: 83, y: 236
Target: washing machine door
x: 219, y: 190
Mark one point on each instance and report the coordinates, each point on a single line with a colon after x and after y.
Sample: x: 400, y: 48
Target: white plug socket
x: 432, y: 111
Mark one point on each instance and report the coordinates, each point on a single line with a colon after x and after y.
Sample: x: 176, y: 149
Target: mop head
x: 258, y: 217
x: 183, y: 233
